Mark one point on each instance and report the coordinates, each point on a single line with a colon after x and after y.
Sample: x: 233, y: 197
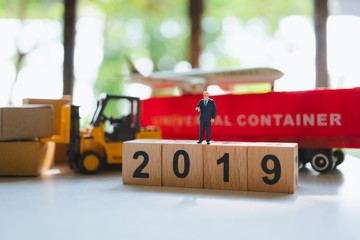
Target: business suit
x: 207, y: 112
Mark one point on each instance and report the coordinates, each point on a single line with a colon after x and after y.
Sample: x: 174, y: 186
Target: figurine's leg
x: 201, y: 132
x: 208, y: 131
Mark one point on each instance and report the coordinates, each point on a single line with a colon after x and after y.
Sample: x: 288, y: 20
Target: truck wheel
x: 302, y: 157
x: 339, y: 156
x: 322, y: 162
x: 90, y: 162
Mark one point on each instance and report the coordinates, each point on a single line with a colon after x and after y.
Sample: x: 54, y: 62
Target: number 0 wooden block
x: 141, y: 162
x: 182, y: 164
x: 225, y: 166
x: 273, y: 167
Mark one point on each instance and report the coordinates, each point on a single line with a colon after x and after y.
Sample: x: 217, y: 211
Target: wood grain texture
x: 194, y: 177
x: 132, y: 161
x: 230, y: 172
x: 259, y: 180
x: 263, y: 167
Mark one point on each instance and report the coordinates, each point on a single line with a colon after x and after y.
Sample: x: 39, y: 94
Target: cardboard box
x: 28, y: 158
x: 25, y: 122
x: 56, y: 104
x: 60, y: 148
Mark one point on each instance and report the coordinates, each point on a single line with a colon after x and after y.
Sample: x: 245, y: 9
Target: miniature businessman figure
x: 207, y: 110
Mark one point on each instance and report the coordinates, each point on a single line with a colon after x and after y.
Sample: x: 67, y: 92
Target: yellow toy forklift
x: 116, y: 119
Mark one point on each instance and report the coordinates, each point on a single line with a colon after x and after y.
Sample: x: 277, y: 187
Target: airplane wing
x: 197, y: 80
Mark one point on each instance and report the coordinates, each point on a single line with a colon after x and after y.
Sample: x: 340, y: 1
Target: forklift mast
x: 73, y: 148
x: 125, y: 127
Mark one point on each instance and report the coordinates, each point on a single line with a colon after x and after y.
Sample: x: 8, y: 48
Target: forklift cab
x: 120, y: 116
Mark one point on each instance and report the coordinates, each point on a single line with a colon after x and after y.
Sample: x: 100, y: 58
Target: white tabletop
x: 62, y: 204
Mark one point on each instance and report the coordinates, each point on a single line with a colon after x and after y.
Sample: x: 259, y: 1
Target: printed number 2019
x: 264, y: 162
x: 139, y: 174
x: 276, y: 170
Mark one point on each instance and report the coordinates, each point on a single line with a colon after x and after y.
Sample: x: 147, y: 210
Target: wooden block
x: 141, y: 163
x: 273, y: 167
x: 182, y: 164
x: 225, y: 166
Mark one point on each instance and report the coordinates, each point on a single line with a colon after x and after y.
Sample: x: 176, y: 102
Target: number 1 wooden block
x: 141, y: 162
x: 225, y: 166
x: 182, y: 164
x: 273, y: 167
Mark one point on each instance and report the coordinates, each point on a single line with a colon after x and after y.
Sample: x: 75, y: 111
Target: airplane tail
x: 133, y: 69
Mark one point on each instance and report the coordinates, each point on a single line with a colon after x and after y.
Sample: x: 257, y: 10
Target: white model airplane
x: 196, y: 81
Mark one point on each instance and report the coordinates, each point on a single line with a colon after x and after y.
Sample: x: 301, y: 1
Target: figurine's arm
x: 198, y: 107
x: 213, y: 113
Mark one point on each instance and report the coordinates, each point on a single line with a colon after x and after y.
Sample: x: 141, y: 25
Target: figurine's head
x: 206, y: 95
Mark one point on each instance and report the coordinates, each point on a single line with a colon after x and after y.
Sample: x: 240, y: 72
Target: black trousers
x: 205, y: 124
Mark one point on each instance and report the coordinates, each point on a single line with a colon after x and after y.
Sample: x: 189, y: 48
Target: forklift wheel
x: 90, y: 162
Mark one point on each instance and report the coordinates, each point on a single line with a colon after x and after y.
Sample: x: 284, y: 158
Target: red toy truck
x: 320, y: 121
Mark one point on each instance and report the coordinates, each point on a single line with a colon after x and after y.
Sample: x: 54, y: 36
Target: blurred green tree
x: 28, y: 9
x: 159, y: 31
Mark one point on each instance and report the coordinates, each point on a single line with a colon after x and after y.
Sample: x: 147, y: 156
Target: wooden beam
x: 69, y: 46
x: 196, y: 8
x: 320, y: 15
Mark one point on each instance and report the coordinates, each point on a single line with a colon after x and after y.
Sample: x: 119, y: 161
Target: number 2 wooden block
x: 142, y: 162
x: 225, y: 166
x: 273, y: 167
x: 182, y: 164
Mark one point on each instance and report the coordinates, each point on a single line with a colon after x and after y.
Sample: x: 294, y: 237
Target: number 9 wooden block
x: 182, y: 164
x: 273, y: 167
x: 141, y: 162
x: 225, y: 166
